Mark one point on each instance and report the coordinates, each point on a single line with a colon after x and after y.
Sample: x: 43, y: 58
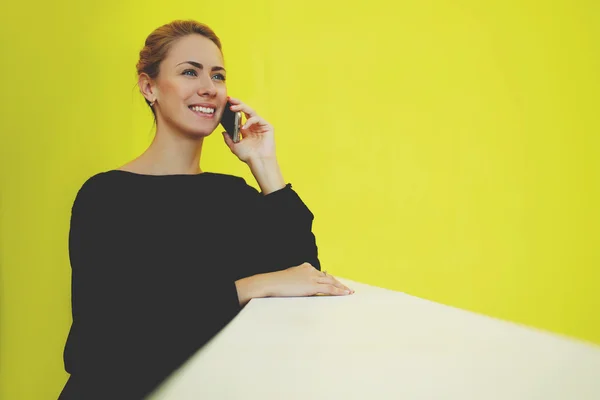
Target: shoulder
x: 98, y: 183
x: 97, y: 189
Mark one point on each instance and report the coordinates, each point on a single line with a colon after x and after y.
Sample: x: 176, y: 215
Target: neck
x: 172, y: 153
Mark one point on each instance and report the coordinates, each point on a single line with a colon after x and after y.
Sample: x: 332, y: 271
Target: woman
x: 163, y: 254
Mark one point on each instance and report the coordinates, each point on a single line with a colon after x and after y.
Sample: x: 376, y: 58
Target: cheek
x: 222, y: 95
x: 178, y: 92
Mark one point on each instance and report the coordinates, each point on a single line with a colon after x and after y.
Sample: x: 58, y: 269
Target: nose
x: 207, y: 86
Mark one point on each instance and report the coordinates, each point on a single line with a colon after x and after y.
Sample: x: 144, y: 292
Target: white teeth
x: 205, y: 110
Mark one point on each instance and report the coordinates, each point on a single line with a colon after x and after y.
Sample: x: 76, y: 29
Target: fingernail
x: 347, y: 291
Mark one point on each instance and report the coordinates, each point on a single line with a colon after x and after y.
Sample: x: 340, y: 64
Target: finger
x: 244, y: 108
x: 228, y: 140
x: 333, y: 290
x: 253, y: 121
x: 332, y: 281
x: 233, y: 100
x: 342, y: 285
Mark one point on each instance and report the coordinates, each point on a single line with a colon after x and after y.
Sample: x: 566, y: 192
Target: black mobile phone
x: 232, y: 122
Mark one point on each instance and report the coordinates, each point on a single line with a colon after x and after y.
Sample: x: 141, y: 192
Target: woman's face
x: 190, y: 88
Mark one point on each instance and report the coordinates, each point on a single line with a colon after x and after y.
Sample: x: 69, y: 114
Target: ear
x: 147, y: 87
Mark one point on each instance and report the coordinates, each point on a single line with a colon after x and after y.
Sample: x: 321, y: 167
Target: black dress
x: 154, y: 262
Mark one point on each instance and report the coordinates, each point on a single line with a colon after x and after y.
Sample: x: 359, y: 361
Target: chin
x: 203, y: 130
x: 199, y: 133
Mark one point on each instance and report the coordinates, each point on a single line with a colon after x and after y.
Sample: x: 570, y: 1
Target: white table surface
x: 382, y: 344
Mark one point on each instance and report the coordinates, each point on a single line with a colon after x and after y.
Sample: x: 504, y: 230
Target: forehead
x: 194, y: 48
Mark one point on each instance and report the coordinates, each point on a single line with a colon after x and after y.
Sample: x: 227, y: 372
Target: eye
x: 189, y: 70
x: 220, y: 77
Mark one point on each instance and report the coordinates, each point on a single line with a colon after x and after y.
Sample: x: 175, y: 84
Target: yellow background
x: 449, y: 149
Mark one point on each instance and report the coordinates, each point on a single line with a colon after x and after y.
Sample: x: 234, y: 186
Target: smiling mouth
x: 203, y: 111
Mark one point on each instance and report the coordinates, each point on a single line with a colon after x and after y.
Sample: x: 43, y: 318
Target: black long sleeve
x: 278, y: 232
x: 154, y: 262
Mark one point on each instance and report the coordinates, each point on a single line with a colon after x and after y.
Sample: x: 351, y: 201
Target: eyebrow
x: 200, y: 66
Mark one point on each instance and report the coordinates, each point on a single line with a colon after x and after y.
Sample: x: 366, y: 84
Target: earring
x: 152, y: 103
